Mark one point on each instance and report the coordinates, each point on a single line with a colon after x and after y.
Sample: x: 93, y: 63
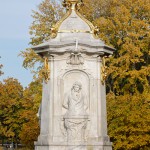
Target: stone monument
x: 73, y: 108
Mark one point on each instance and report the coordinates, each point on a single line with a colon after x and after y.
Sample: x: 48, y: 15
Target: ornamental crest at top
x: 73, y: 7
x: 72, y: 4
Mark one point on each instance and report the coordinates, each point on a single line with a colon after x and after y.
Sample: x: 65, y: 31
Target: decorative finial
x: 72, y: 4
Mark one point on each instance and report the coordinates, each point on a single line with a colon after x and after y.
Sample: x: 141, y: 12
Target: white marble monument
x: 73, y: 108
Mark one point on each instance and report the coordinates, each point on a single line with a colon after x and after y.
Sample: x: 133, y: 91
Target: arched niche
x: 69, y: 78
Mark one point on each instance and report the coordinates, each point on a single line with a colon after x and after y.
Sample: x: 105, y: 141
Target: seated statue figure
x: 76, y: 117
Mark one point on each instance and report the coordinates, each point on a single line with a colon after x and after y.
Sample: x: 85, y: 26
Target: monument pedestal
x: 75, y: 146
x: 73, y: 108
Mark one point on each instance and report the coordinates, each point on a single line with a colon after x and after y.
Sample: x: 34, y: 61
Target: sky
x: 15, y: 19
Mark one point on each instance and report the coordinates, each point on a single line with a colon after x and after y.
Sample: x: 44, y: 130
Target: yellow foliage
x: 11, y: 93
x: 123, y: 24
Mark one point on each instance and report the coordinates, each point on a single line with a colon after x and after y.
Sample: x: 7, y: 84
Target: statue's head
x: 77, y: 86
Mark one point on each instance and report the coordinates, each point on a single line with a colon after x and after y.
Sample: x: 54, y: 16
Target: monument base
x: 75, y: 146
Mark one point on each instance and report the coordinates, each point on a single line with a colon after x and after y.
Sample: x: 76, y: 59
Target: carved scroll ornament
x: 68, y: 4
x: 75, y: 59
x: 46, y: 70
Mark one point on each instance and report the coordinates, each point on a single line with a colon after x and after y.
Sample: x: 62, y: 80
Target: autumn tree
x: 128, y: 121
x: 49, y: 12
x: 11, y: 92
x: 124, y: 25
x: 31, y: 100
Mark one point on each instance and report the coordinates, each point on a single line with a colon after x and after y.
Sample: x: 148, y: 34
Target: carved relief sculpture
x: 76, y: 117
x: 75, y: 59
x: 73, y: 114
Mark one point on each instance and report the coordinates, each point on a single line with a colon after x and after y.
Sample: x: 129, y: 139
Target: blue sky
x: 15, y: 19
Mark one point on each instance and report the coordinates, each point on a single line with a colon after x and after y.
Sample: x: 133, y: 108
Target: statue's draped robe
x: 75, y: 103
x: 75, y: 119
